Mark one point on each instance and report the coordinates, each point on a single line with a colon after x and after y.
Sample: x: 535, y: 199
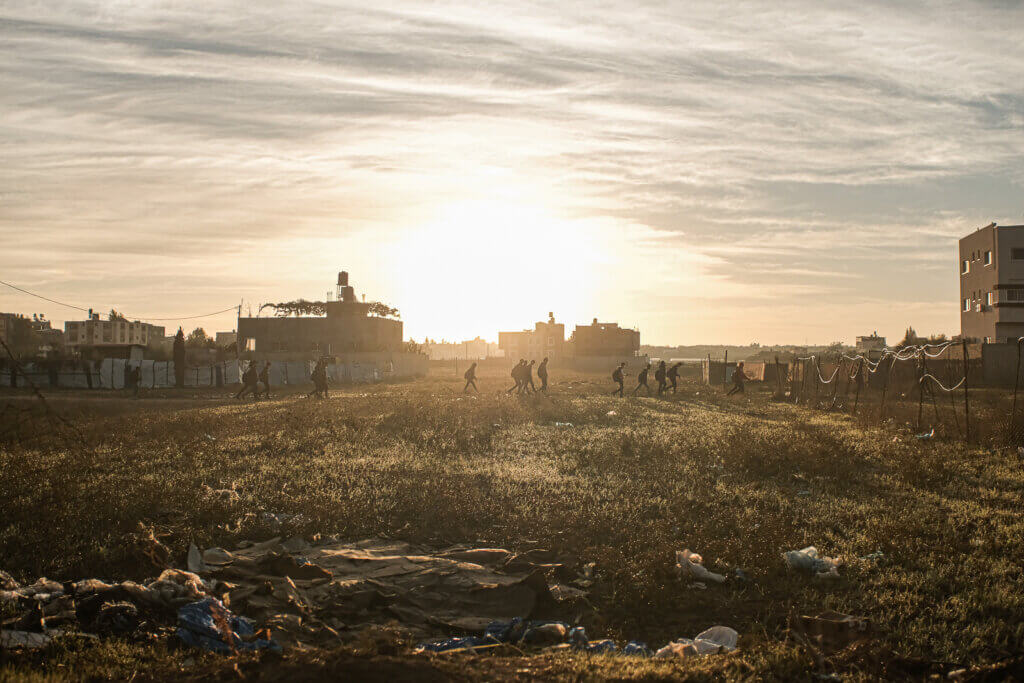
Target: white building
x: 108, y: 333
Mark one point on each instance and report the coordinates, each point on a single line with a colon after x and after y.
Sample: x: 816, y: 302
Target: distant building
x: 871, y: 342
x: 347, y: 326
x: 604, y: 339
x: 109, y: 337
x: 545, y: 340
x: 471, y: 349
x: 992, y: 283
x: 225, y: 338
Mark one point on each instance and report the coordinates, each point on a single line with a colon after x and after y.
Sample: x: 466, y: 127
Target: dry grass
x: 423, y: 462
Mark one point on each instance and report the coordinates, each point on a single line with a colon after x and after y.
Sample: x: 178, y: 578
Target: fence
x: 941, y: 389
x: 111, y: 373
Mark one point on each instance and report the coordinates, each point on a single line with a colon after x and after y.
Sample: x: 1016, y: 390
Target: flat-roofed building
x: 991, y: 267
x: 105, y: 335
x: 605, y: 339
x: 545, y: 340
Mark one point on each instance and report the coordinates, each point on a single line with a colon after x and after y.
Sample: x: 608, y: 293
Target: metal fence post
x: 1016, y: 384
x: 967, y: 405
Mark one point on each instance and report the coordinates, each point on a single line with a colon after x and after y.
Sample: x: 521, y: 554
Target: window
x: 967, y: 305
x: 988, y: 258
x: 1014, y: 295
x: 988, y: 298
x: 966, y: 267
x: 1017, y: 254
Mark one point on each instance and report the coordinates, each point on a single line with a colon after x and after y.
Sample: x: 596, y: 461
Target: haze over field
x: 719, y: 172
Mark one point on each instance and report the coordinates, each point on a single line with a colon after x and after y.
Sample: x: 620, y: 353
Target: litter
x: 563, y: 424
x: 877, y: 557
x: 711, y: 641
x: 10, y: 639
x: 209, y: 625
x: 692, y: 564
x: 807, y: 559
x: 830, y: 631
x: 803, y: 493
x: 561, y: 592
x: 611, y: 413
x: 927, y: 435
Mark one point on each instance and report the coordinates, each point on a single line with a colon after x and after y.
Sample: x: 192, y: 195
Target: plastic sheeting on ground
x: 208, y: 624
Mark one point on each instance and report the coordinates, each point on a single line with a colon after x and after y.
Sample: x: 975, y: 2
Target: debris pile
x: 299, y: 594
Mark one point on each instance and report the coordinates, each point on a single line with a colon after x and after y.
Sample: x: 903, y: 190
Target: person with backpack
x: 250, y: 381
x: 517, y: 377
x: 659, y: 375
x: 265, y: 379
x: 618, y: 378
x: 470, y: 377
x: 527, y: 377
x: 641, y: 380
x: 542, y: 373
x: 673, y: 375
x: 738, y: 378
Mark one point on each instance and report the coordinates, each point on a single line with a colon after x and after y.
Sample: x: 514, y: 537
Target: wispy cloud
x: 816, y: 147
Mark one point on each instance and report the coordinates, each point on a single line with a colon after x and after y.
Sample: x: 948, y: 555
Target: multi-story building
x: 225, y: 338
x: 346, y: 326
x: 605, y: 339
x: 471, y: 349
x: 545, y: 340
x: 107, y: 335
x: 871, y: 345
x: 992, y: 283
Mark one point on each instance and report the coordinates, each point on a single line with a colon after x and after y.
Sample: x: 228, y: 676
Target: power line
x: 137, y: 317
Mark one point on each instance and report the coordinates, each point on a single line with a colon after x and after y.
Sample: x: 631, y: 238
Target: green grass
x: 424, y: 463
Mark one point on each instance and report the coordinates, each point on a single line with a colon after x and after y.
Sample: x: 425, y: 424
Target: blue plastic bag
x: 197, y: 626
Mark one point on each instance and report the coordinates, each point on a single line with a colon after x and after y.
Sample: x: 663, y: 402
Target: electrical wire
x: 136, y: 317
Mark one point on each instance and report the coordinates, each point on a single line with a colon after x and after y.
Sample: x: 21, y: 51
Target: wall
x: 999, y: 363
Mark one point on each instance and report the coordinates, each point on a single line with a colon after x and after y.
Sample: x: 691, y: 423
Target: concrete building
x: 345, y: 327
x: 471, y: 349
x: 604, y: 339
x: 545, y: 340
x: 106, y: 337
x: 225, y: 338
x: 870, y: 345
x: 991, y: 269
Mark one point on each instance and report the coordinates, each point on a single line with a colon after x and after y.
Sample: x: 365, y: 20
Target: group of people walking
x: 251, y: 380
x: 663, y: 376
x: 522, y: 376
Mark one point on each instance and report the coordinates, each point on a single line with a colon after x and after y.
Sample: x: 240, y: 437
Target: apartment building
x: 991, y: 269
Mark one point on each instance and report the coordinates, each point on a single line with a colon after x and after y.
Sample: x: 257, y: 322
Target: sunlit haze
x: 704, y: 172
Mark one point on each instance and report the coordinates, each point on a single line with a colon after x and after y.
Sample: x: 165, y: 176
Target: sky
x: 706, y: 172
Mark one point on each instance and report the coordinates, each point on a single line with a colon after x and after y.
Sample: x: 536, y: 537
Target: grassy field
x: 740, y: 480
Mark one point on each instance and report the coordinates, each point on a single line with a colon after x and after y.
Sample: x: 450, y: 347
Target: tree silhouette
x: 179, y: 358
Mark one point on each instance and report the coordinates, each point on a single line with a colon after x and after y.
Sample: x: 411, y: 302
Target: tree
x: 179, y: 358
x: 115, y: 315
x: 909, y: 339
x: 297, y: 308
x: 198, y: 339
x: 383, y: 310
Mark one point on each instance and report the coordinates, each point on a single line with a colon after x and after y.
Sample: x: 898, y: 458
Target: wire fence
x: 938, y: 389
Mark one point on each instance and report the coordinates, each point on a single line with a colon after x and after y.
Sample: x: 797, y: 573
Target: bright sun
x: 487, y: 265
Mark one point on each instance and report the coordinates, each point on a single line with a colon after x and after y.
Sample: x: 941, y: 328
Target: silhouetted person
x: 673, y: 375
x: 542, y: 373
x: 136, y: 377
x: 738, y: 378
x: 319, y: 377
x: 265, y: 379
x: 659, y: 375
x: 127, y: 377
x: 250, y: 381
x: 517, y: 376
x: 528, y: 385
x: 470, y: 376
x: 617, y: 377
x: 641, y: 380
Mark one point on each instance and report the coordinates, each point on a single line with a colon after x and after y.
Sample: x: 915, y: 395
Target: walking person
x: 265, y: 379
x: 528, y: 385
x: 738, y: 378
x: 618, y: 378
x: 470, y: 377
x: 641, y: 380
x: 659, y: 375
x: 542, y: 373
x: 250, y: 381
x: 673, y: 375
x: 517, y: 377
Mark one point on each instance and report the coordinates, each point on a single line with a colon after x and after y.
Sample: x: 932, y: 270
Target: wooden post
x: 885, y: 387
x: 967, y: 404
x: 1016, y: 384
x: 710, y: 382
x: 920, y: 391
x: 817, y: 378
x: 860, y: 382
x: 725, y: 368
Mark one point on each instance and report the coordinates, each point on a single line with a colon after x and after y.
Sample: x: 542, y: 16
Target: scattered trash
x: 927, y: 435
x: 877, y: 557
x: 698, y: 585
x: 611, y: 413
x: 808, y: 560
x: 563, y: 424
x: 10, y: 639
x: 195, y: 560
x: 692, y: 564
x: 709, y: 642
x: 803, y: 493
x: 1020, y: 451
x: 562, y: 592
x: 209, y: 625
x: 741, y: 575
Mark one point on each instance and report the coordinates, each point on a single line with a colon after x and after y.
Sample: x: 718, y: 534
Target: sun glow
x: 485, y: 265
